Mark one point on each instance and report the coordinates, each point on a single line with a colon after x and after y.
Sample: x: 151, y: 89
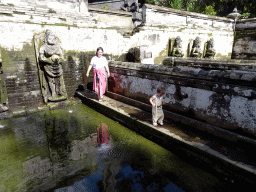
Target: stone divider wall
x: 216, y: 97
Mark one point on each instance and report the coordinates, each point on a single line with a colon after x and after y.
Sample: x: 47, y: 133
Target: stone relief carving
x: 49, y: 56
x: 177, y: 48
x: 196, y: 48
x: 210, y: 51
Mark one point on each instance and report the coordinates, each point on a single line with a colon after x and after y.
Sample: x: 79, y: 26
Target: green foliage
x: 210, y: 7
x: 245, y: 15
x: 209, y: 10
x: 176, y: 4
x: 191, y: 5
x: 151, y: 1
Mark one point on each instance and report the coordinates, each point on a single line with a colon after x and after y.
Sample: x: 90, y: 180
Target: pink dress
x: 101, y: 74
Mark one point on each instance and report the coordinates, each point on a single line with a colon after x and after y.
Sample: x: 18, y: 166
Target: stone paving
x: 231, y: 160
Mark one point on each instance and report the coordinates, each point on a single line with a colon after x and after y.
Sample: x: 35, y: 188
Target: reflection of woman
x: 103, y: 138
x: 100, y: 66
x: 102, y: 134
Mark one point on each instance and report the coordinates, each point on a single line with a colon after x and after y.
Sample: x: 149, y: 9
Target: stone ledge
x: 218, y: 70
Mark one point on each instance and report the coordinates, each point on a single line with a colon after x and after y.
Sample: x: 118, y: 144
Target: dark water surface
x: 77, y: 149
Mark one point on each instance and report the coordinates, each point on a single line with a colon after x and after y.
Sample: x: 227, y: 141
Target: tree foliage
x: 211, y: 7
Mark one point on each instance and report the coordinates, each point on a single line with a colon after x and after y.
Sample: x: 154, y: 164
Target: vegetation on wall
x: 210, y: 7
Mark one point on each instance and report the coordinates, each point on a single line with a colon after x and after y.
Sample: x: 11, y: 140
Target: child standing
x: 157, y: 101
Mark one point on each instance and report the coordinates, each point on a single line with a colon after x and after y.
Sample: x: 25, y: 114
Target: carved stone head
x: 197, y: 42
x: 210, y: 43
x: 177, y: 42
x: 50, y: 38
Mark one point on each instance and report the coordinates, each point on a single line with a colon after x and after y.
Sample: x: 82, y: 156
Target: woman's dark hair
x: 99, y: 48
x: 160, y: 90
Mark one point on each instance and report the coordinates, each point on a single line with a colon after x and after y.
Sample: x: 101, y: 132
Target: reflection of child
x: 157, y: 101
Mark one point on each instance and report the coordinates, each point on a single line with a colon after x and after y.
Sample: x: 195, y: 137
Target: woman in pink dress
x: 100, y: 66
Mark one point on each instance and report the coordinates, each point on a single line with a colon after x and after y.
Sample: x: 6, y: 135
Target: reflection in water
x: 85, y: 151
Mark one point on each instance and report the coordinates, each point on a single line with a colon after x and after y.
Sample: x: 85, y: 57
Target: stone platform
x: 228, y: 155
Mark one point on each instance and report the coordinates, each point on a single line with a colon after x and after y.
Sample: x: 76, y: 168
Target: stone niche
x: 50, y: 59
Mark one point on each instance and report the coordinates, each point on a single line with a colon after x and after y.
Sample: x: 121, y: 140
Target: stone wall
x: 223, y: 98
x: 163, y: 24
x: 81, y: 32
x: 244, y: 40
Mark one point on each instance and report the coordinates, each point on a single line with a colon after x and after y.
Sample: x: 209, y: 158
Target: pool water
x: 79, y: 149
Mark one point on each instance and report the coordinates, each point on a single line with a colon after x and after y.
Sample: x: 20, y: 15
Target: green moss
x: 51, y: 11
x: 63, y: 19
x: 162, y: 55
x: 181, y: 29
x: 29, y: 22
x: 7, y: 61
x: 96, y: 21
x: 161, y: 26
x: 18, y: 12
x: 219, y: 56
x: 7, y: 14
x: 209, y: 34
x: 197, y: 139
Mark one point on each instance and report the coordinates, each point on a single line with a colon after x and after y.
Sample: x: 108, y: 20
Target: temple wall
x: 80, y: 31
x: 79, y: 35
x: 244, y: 40
x: 226, y: 99
x: 166, y: 23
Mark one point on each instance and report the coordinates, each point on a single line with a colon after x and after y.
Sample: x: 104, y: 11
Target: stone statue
x: 210, y: 51
x: 177, y: 49
x: 50, y: 61
x: 196, y: 48
x: 134, y: 55
x: 131, y: 6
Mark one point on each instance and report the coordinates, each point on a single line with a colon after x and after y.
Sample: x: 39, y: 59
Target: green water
x: 78, y: 149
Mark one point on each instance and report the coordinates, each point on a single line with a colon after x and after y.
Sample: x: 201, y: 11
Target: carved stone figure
x: 177, y: 48
x: 133, y: 55
x: 210, y: 51
x: 50, y: 59
x: 196, y: 48
x: 131, y: 6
